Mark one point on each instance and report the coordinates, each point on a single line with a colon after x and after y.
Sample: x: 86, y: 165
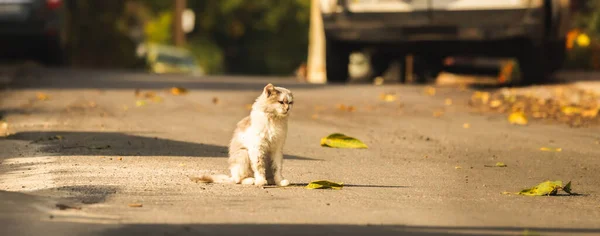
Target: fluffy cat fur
x: 256, y: 149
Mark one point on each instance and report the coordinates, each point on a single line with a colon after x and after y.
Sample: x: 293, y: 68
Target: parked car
x: 166, y: 59
x: 533, y: 31
x: 32, y: 28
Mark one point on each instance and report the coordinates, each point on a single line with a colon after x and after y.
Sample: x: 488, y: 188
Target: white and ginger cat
x: 256, y: 149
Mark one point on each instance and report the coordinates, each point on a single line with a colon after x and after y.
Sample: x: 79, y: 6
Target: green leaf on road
x: 548, y: 188
x: 324, y: 184
x: 338, y: 140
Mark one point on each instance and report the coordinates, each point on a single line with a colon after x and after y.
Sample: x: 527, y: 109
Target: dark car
x: 32, y: 29
x: 533, y: 31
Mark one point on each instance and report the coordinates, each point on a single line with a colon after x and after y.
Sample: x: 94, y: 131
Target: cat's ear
x: 269, y: 89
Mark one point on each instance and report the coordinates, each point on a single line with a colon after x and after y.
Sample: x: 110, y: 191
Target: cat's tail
x: 213, y: 179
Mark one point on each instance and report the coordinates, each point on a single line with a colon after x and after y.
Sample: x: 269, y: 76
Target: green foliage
x: 158, y: 29
x: 208, y: 54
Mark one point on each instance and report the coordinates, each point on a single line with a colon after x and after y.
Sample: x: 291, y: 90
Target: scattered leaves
x: 157, y: 99
x: 548, y: 149
x: 42, y: 96
x: 324, y: 184
x: 517, y: 118
x: 135, y: 205
x: 178, y: 91
x: 548, y: 188
x: 338, y: 140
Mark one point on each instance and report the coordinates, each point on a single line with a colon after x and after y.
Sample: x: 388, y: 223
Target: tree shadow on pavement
x: 116, y: 144
x: 328, y: 229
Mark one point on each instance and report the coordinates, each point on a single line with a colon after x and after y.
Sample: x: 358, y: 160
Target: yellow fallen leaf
x: 448, y: 101
x: 387, y: 97
x: 438, y: 113
x: 343, y: 107
x: 500, y: 164
x: 457, y: 167
x: 547, y: 149
x: 466, y: 125
x: 324, y: 184
x: 517, y: 118
x: 140, y: 103
x: 157, y: 99
x: 570, y: 110
x: 42, y: 96
x: 135, y: 205
x: 495, y: 103
x: 590, y: 113
x: 178, y: 91
x: 548, y: 188
x: 337, y: 140
x: 430, y: 91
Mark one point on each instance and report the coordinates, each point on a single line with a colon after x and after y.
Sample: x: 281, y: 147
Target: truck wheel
x: 337, y: 58
x: 534, y: 66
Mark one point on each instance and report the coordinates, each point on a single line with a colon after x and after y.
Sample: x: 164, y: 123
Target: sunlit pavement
x: 118, y: 161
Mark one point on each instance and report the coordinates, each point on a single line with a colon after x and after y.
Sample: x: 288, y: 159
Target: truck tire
x: 534, y: 66
x: 337, y: 58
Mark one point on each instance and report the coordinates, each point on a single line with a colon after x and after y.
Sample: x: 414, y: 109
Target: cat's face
x: 278, y: 101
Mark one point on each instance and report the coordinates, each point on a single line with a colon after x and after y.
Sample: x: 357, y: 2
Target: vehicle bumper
x: 394, y: 27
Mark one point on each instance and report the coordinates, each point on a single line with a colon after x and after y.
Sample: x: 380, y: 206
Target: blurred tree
x: 98, y: 35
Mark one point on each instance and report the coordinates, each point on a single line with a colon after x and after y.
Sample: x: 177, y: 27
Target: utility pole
x: 178, y: 34
x: 316, y: 46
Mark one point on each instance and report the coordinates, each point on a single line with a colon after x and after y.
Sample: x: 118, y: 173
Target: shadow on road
x: 116, y: 144
x: 314, y: 229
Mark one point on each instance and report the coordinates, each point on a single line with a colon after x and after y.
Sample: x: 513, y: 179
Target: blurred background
x: 259, y: 37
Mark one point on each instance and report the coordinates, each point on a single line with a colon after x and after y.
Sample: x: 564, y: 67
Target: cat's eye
x: 281, y: 102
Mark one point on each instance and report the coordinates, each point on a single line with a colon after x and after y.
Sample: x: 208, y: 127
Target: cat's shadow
x: 344, y: 185
x: 65, y: 143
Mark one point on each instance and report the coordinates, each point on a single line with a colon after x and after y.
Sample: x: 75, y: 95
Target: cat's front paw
x: 260, y: 182
x: 284, y: 183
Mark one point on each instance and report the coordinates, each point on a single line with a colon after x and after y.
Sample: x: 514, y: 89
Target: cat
x: 256, y: 149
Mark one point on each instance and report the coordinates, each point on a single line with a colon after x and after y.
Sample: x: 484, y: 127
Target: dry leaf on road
x: 548, y: 188
x: 430, y: 91
x: 42, y: 97
x: 338, y: 140
x: 178, y: 91
x: 140, y: 103
x: 547, y: 149
x: 135, y: 205
x: 324, y: 184
x: 388, y: 97
x: 448, y: 101
x: 517, y: 118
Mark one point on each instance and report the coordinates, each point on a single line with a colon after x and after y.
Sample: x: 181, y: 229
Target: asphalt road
x: 77, y: 138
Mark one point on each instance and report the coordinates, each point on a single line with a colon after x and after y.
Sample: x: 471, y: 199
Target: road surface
x: 82, y: 139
